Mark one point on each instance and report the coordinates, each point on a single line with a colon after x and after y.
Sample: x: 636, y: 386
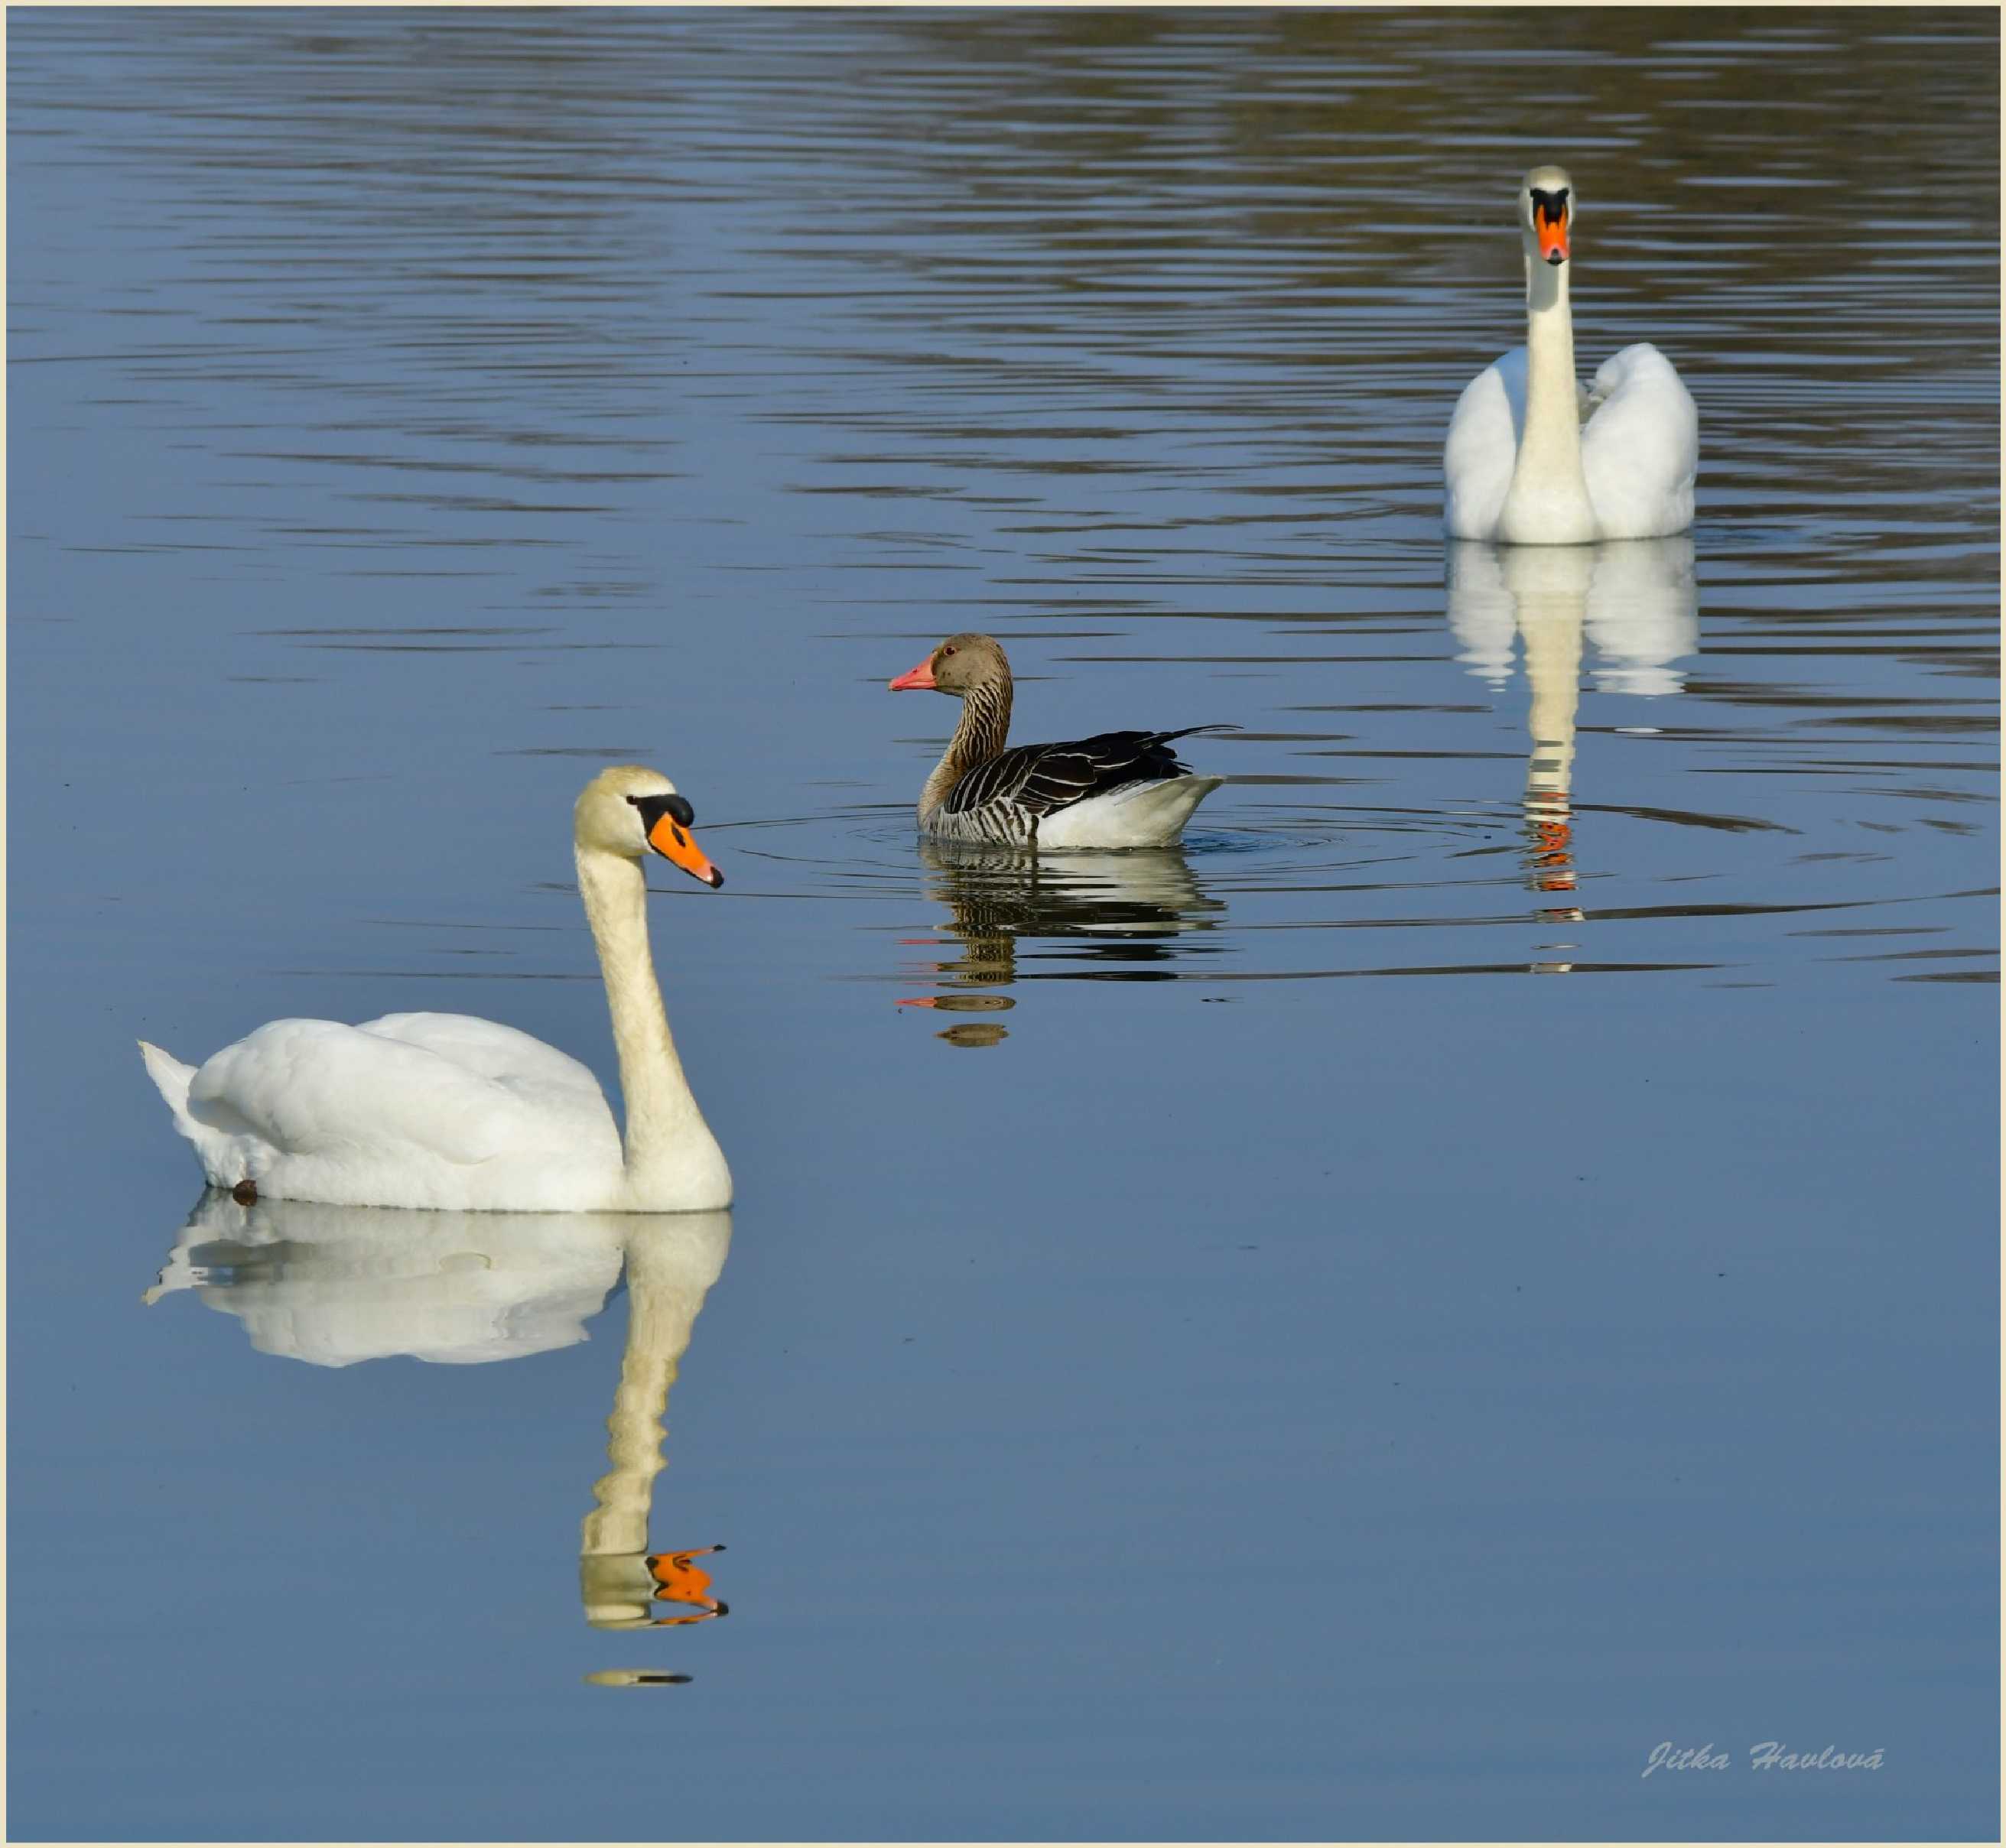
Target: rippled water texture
x: 1148, y: 1386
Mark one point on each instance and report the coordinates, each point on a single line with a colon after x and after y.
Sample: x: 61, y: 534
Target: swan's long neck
x: 664, y: 1124
x: 1548, y: 498
x: 981, y: 734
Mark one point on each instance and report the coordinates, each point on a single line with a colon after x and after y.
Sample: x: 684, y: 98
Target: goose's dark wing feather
x: 1041, y: 779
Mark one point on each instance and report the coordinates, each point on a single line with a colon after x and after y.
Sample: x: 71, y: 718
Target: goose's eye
x: 945, y: 652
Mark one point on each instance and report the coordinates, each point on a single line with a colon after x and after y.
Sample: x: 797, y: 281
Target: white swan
x: 1529, y: 460
x: 446, y: 1110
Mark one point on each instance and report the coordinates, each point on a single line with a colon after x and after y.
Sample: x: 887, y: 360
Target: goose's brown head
x: 960, y: 662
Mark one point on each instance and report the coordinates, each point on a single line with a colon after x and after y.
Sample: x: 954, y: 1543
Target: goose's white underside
x: 429, y: 1110
x: 1639, y: 447
x: 1143, y: 814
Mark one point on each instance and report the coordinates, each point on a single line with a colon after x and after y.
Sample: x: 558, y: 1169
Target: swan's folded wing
x: 1640, y: 446
x: 495, y: 1051
x: 1482, y: 448
x: 310, y: 1087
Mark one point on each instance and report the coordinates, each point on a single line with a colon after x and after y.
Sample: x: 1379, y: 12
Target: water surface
x: 1480, y: 1263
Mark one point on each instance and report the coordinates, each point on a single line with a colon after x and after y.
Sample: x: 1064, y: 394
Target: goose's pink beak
x: 921, y: 677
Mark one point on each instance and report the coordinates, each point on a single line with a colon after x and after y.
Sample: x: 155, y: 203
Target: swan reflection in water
x: 335, y: 1285
x: 1637, y: 601
x: 1121, y: 910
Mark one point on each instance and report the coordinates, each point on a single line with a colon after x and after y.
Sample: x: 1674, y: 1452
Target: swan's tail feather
x: 222, y: 1159
x: 172, y: 1077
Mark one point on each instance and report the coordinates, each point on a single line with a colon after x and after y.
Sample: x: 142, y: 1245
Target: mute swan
x: 446, y: 1110
x: 1528, y: 460
x: 1117, y: 789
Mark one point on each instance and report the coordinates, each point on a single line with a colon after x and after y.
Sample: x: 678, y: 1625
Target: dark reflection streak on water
x: 436, y: 975
x: 1212, y: 976
x: 1684, y: 817
x: 454, y: 924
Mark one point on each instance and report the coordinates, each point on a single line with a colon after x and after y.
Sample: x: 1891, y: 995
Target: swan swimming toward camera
x: 1530, y: 459
x: 446, y: 1111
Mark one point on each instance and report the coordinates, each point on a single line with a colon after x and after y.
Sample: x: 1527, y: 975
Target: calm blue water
x: 1483, y: 1263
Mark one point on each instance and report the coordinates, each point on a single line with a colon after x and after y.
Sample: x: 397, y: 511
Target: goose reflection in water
x: 334, y: 1285
x: 1129, y: 906
x: 1637, y: 601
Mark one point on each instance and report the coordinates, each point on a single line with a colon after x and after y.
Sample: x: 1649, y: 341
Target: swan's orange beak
x: 674, y: 842
x: 920, y: 677
x: 1552, y: 226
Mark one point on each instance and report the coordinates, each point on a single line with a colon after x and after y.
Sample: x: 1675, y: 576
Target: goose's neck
x: 664, y: 1123
x: 1548, y: 499
x: 983, y: 732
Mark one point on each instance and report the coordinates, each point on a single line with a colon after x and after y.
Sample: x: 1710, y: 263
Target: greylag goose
x: 1117, y: 789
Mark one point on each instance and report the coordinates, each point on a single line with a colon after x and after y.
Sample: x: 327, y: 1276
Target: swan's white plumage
x: 439, y: 1109
x: 1483, y: 447
x: 448, y: 1112
x: 1530, y: 459
x: 1639, y: 446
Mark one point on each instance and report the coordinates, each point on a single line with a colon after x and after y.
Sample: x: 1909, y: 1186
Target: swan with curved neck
x: 1530, y: 459
x: 447, y: 1111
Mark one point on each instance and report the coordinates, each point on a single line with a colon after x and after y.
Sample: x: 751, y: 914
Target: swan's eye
x: 677, y: 807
